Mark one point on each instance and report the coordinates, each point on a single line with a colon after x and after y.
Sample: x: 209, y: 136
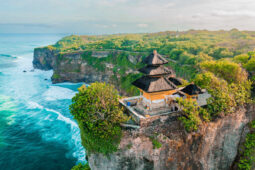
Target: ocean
x: 37, y: 131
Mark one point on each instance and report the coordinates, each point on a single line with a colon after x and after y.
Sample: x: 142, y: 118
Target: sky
x: 124, y: 16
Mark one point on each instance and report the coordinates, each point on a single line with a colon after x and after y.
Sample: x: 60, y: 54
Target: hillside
x: 223, y: 62
x: 115, y: 58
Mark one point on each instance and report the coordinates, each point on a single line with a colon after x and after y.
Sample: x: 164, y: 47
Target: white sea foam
x: 63, y: 118
x: 34, y: 105
x: 6, y: 104
x: 58, y: 93
x: 78, y: 151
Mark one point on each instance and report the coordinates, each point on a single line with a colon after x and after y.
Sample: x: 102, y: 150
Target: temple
x: 155, y: 86
x: 159, y: 89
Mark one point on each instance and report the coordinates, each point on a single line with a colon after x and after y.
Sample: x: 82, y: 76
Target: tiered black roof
x: 192, y: 89
x: 175, y: 80
x: 155, y: 59
x: 153, y: 84
x: 155, y: 70
x: 155, y: 79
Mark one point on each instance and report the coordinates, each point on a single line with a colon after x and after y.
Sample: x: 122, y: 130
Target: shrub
x: 247, y: 160
x: 155, y: 142
x: 55, y: 76
x: 225, y: 69
x: 81, y: 167
x: 190, y: 114
x: 225, y: 96
x: 97, y: 110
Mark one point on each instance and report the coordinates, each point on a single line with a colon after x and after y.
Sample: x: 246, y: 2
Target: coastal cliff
x: 88, y: 66
x: 68, y: 67
x: 44, y: 58
x: 72, y: 67
x: 214, y: 146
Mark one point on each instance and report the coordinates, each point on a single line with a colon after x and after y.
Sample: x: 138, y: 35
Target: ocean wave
x: 7, y: 109
x: 58, y: 93
x: 34, y: 105
x: 7, y: 55
x: 78, y: 151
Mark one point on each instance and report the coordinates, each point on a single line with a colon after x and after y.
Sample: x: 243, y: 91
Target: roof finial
x: 155, y: 52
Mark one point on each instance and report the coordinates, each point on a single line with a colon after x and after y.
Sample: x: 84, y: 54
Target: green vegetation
x: 188, y: 47
x: 55, y: 76
x: 192, y: 114
x: 121, y: 65
x: 247, y: 160
x: 228, y: 84
x: 129, y: 146
x: 185, y: 51
x: 156, y: 144
x: 214, y: 60
x: 97, y: 110
x: 81, y: 167
x: 247, y: 61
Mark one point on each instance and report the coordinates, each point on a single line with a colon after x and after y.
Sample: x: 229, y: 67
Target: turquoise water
x: 36, y: 128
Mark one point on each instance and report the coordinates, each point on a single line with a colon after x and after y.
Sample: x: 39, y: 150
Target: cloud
x: 28, y: 25
x: 114, y: 16
x: 142, y: 25
x: 234, y: 13
x: 169, y: 5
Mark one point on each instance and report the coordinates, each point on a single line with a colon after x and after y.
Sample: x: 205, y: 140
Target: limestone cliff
x: 78, y: 66
x: 213, y: 147
x: 44, y: 58
x: 72, y: 68
x: 68, y: 67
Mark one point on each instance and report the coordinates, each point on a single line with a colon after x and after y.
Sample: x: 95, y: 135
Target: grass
x: 247, y: 161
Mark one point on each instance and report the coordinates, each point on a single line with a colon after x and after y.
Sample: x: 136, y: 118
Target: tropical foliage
x: 247, y: 160
x: 227, y: 83
x: 81, y: 167
x: 96, y: 108
x: 192, y: 115
x: 185, y: 50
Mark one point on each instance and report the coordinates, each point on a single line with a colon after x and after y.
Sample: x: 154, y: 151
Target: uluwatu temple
x: 159, y: 89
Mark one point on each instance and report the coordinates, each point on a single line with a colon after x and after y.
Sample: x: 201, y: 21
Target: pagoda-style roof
x: 153, y: 84
x: 192, y: 89
x: 175, y: 80
x: 155, y: 70
x: 155, y: 59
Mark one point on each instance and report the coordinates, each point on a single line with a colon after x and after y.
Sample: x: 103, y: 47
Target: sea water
x: 37, y: 130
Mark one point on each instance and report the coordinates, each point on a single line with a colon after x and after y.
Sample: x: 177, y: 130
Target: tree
x: 191, y: 112
x: 97, y: 110
x: 224, y: 96
x: 226, y: 69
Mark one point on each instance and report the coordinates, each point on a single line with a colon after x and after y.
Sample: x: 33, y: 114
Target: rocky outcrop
x: 44, y: 58
x: 72, y: 68
x: 213, y: 147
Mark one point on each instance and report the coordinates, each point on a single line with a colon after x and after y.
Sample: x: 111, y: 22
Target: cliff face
x: 69, y: 67
x: 44, y: 58
x: 72, y: 68
x: 214, y: 146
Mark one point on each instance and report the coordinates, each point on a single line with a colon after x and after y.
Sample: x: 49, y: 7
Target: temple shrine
x: 159, y: 89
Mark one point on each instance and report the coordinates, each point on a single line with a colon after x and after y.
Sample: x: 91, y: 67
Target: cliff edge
x: 109, y: 66
x: 214, y: 146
